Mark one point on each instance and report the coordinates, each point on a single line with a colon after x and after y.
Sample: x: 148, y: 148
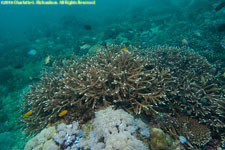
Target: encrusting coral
x: 160, y: 79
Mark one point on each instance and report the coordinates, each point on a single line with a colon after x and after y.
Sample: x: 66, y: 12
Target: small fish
x: 34, y: 78
x: 185, y: 42
x: 69, y: 60
x: 77, y: 140
x: 87, y: 27
x: 130, y: 30
x: 27, y: 114
x: 102, y: 33
x: 124, y: 49
x: 182, y: 139
x: 85, y: 46
x: 47, y: 59
x: 18, y: 66
x: 62, y: 113
x: 224, y: 74
x: 32, y: 52
x: 220, y: 6
x: 82, y: 42
x: 221, y: 27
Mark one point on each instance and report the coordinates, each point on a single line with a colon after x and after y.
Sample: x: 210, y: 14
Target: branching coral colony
x: 160, y: 79
x: 111, y: 77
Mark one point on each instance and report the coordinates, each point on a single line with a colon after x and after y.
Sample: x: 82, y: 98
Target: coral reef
x: 221, y: 108
x: 55, y: 138
x: 159, y: 79
x: 196, y: 89
x: 113, y: 129
x: 111, y: 77
x: 116, y: 129
x: 43, y: 140
x: 197, y: 134
x: 223, y: 140
x: 159, y: 140
x: 143, y: 27
x: 68, y: 136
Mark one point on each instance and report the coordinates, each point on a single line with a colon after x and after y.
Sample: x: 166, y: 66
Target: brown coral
x: 158, y: 79
x: 221, y: 108
x: 196, y: 89
x: 111, y: 77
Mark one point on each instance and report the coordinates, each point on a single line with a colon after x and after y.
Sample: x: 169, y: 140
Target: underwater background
x: 182, y: 41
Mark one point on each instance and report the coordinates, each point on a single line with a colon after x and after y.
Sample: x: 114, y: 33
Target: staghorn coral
x: 159, y: 79
x: 221, y: 109
x: 111, y: 77
x: 223, y: 140
x: 197, y: 87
